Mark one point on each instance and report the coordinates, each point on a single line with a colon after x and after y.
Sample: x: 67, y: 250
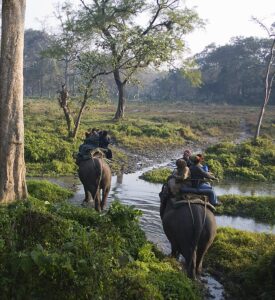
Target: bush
x: 216, y: 168
x: 47, y: 191
x: 249, y: 160
x: 157, y: 175
x: 244, y: 174
x: 245, y: 262
x: 57, y: 251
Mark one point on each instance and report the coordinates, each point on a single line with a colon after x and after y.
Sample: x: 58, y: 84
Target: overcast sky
x: 225, y: 19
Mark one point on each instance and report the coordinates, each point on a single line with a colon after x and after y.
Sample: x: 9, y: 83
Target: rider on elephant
x: 199, y: 185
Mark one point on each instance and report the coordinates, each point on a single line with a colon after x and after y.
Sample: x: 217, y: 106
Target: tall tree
x: 12, y: 164
x: 269, y: 76
x: 117, y: 31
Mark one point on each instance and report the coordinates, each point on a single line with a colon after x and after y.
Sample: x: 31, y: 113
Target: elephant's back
x: 186, y: 217
x: 88, y: 167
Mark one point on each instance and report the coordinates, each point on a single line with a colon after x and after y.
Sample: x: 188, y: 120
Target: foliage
x: 52, y: 153
x: 244, y: 262
x: 47, y: 191
x: 131, y: 45
x: 232, y: 73
x: 52, y: 250
x: 153, y: 280
x: 260, y: 208
x: 216, y: 168
x: 249, y: 160
x: 159, y: 175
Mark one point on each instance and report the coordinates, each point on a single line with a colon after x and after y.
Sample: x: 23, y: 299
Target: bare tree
x: 12, y: 164
x: 269, y: 75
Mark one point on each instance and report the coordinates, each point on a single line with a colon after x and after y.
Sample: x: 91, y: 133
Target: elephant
x: 95, y: 175
x: 190, y: 227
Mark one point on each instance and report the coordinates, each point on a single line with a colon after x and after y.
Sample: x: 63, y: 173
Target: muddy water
x: 131, y: 190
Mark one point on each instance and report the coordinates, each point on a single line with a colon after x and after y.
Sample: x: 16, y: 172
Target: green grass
x: 260, y: 208
x: 146, y: 128
x: 244, y: 262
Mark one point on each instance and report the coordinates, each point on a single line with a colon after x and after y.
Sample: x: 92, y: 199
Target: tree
x: 269, y: 76
x: 80, y: 62
x: 12, y: 164
x: 40, y: 73
x: 118, y: 32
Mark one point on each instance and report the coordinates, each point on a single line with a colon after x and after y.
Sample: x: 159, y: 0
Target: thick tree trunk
x: 12, y: 164
x: 121, y: 98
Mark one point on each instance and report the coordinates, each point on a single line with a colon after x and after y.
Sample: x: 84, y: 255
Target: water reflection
x: 245, y: 188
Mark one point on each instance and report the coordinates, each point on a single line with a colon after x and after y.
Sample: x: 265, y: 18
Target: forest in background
x: 231, y: 74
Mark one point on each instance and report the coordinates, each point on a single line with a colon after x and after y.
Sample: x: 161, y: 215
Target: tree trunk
x: 77, y: 122
x: 121, y: 99
x: 269, y: 78
x: 12, y: 164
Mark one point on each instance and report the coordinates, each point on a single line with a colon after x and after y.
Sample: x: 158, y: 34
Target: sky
x: 225, y: 19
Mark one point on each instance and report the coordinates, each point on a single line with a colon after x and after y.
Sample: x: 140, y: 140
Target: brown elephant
x: 95, y: 175
x: 190, y: 228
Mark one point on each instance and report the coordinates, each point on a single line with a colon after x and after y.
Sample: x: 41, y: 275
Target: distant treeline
x: 232, y: 74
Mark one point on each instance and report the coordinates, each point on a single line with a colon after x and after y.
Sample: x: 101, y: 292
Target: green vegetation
x: 244, y: 262
x: 147, y: 129
x: 260, y: 208
x: 248, y: 160
x: 44, y: 190
x: 157, y: 175
x: 52, y: 250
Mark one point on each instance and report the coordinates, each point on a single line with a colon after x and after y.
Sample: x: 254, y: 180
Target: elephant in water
x: 190, y: 228
x: 95, y: 175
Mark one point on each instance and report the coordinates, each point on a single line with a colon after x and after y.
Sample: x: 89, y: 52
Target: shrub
x: 249, y: 162
x: 47, y: 191
x: 216, y: 168
x: 244, y: 173
x: 245, y: 262
x: 157, y: 175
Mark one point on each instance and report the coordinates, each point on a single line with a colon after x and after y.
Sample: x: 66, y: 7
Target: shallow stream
x: 131, y: 190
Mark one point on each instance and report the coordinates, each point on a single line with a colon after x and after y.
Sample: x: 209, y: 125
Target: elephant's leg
x: 97, y: 201
x: 88, y: 196
x: 190, y: 261
x: 105, y: 193
x: 174, y: 251
x: 203, y: 246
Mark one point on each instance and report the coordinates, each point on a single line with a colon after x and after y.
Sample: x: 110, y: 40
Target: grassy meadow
x: 146, y: 130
